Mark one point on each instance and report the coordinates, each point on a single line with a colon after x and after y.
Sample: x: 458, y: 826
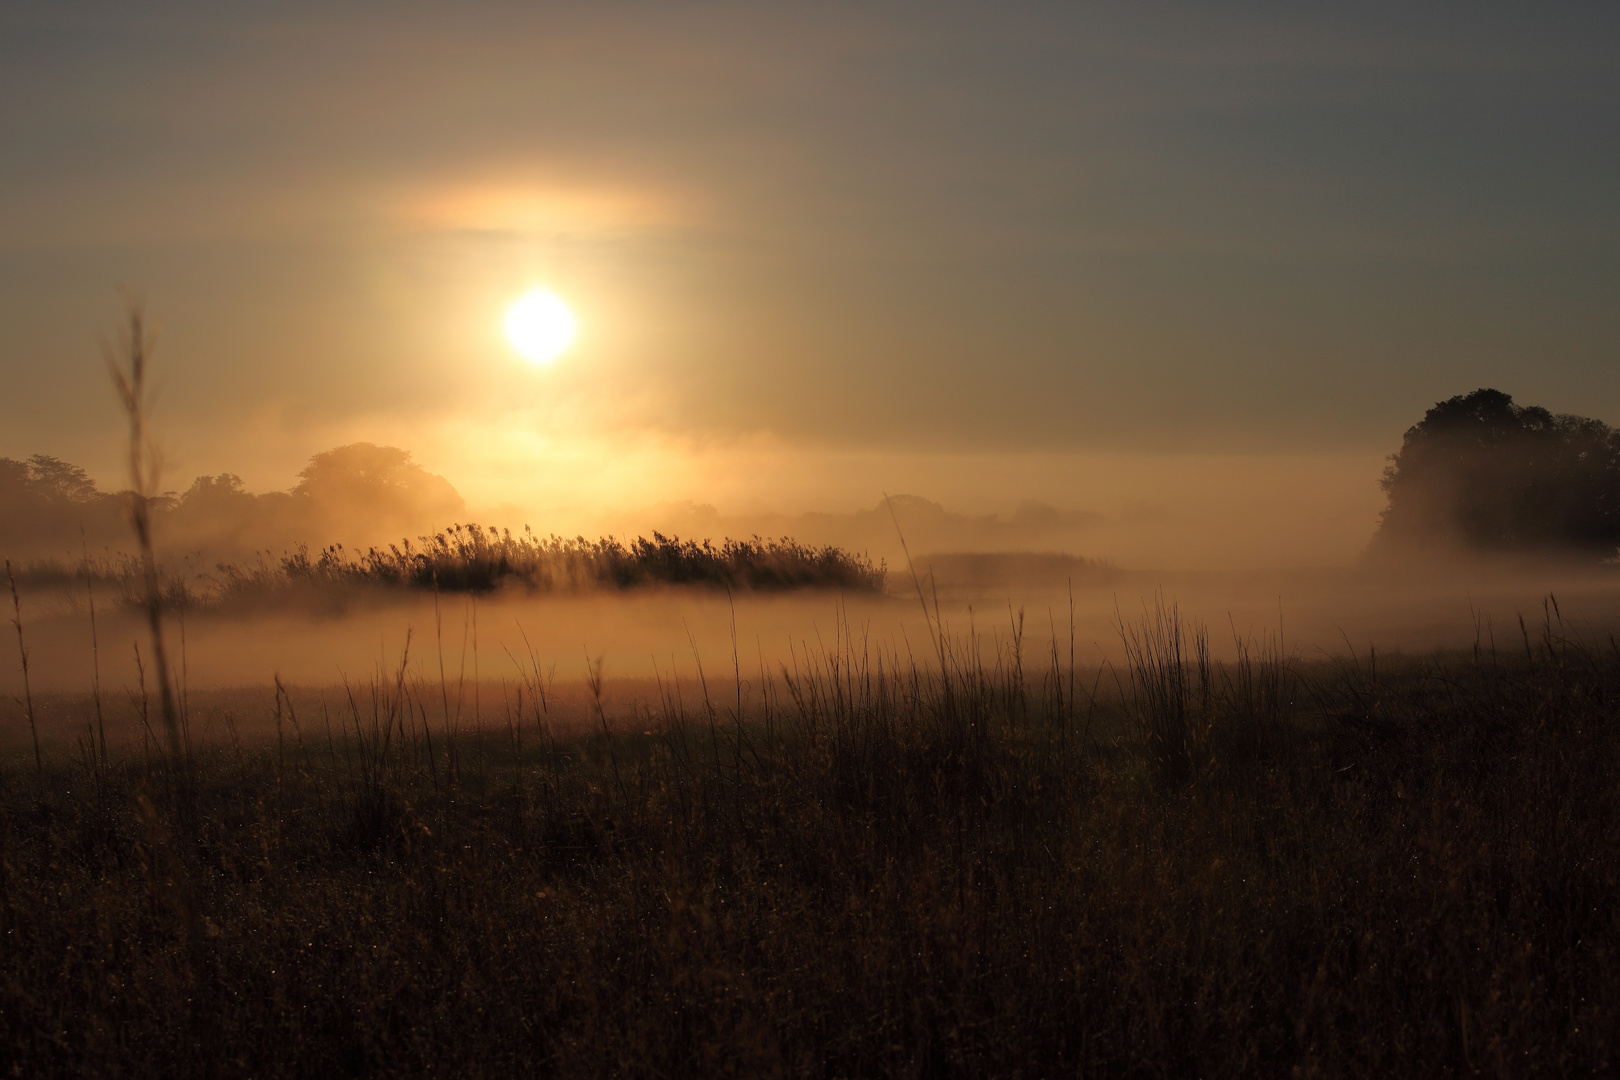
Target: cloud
x: 528, y: 208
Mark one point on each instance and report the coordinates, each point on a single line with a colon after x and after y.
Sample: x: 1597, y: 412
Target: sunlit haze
x: 1182, y: 275
x: 568, y: 539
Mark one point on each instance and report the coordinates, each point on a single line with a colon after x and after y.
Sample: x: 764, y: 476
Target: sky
x: 1137, y: 260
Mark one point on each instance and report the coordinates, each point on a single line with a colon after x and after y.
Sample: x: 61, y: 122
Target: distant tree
x: 48, y: 506
x: 1481, y: 472
x: 13, y: 479
x: 57, y: 481
x: 363, y: 488
x: 217, y: 517
x: 358, y: 495
x: 355, y: 467
x: 224, y: 487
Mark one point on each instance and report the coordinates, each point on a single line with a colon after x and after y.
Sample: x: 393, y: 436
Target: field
x: 809, y: 541
x: 980, y: 858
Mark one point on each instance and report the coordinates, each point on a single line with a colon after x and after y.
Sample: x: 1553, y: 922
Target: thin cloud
x: 517, y: 207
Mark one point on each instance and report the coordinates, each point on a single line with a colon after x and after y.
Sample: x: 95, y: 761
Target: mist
x: 1166, y: 511
x: 1056, y: 552
x: 469, y: 655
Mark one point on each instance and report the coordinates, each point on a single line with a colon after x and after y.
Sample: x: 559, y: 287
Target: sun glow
x: 540, y: 326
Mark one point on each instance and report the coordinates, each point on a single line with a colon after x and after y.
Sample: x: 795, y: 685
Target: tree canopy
x: 1488, y: 475
x: 357, y: 494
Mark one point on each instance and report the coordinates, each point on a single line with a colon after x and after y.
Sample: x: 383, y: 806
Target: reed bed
x: 978, y: 863
x: 472, y: 558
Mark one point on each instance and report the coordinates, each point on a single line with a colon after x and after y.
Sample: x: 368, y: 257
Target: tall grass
x: 859, y: 864
x: 22, y: 660
x: 472, y: 558
x: 127, y: 361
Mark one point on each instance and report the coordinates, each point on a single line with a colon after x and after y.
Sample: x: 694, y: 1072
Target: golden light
x: 540, y: 326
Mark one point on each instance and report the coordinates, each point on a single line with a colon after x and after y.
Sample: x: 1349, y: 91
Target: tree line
x: 358, y: 493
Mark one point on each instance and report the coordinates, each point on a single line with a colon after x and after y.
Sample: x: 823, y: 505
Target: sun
x: 540, y: 326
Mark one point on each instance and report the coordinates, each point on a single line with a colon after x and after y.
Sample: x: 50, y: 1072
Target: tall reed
x: 22, y: 653
x: 127, y: 362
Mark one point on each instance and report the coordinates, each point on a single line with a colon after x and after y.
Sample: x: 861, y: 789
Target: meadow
x: 983, y: 858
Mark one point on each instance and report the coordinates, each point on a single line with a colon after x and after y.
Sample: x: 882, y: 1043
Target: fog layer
x: 675, y: 640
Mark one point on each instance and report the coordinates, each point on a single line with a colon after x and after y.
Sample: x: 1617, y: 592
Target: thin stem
x: 22, y: 651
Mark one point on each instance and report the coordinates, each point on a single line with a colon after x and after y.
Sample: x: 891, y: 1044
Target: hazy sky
x: 817, y: 251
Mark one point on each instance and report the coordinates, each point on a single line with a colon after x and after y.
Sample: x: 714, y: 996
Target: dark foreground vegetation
x: 855, y: 869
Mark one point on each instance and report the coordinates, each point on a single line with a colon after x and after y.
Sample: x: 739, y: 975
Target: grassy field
x: 873, y: 865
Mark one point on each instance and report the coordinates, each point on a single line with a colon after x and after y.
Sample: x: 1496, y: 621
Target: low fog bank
x: 1478, y: 471
x: 1209, y: 512
x: 1172, y: 511
x: 657, y: 640
x: 1254, y: 548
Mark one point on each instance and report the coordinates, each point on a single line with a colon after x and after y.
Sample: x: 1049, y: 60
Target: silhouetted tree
x: 1481, y: 472
x: 363, y: 489
x: 57, y: 481
x: 219, y: 518
x: 48, y: 505
x: 358, y: 494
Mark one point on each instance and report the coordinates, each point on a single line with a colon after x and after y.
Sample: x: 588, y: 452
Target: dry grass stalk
x: 127, y: 362
x: 22, y: 652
